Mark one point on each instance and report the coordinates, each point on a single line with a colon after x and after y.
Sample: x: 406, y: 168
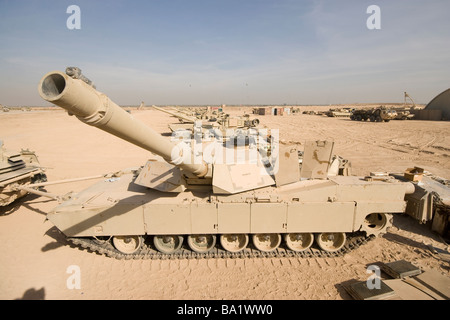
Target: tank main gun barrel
x: 96, y: 109
x: 177, y: 115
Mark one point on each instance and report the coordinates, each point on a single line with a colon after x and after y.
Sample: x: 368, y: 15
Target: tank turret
x: 201, y: 192
x: 79, y: 98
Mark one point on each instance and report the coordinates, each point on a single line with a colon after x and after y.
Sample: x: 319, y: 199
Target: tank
x: 339, y: 112
x: 17, y: 170
x: 186, y: 203
x: 188, y: 122
x: 217, y: 125
x: 431, y: 200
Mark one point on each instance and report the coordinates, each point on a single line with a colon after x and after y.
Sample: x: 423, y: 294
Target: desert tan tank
x: 339, y: 112
x: 190, y: 203
x: 219, y: 125
x: 18, y: 169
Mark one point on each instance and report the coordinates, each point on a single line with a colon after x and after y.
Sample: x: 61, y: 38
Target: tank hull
x: 118, y: 206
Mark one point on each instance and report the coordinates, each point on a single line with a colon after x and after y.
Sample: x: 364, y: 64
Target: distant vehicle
x: 339, y: 113
x: 379, y: 114
x: 404, y: 114
x: 17, y: 170
x: 212, y: 124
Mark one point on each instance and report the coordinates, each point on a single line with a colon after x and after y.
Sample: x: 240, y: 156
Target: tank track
x: 354, y: 241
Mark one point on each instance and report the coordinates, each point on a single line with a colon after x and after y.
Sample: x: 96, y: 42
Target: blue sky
x: 230, y: 52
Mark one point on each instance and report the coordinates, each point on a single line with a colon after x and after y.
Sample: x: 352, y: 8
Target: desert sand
x: 36, y: 261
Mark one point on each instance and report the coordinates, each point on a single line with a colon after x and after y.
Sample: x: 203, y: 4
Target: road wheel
x: 234, y: 242
x: 168, y: 244
x: 266, y: 241
x: 331, y: 242
x: 201, y: 243
x: 299, y: 241
x: 127, y: 244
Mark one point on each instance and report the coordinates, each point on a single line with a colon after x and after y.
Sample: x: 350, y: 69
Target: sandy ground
x: 36, y: 263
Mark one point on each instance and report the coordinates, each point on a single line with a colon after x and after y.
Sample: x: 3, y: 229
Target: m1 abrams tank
x: 339, y: 112
x: 184, y: 206
x: 219, y: 126
x: 17, y: 170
